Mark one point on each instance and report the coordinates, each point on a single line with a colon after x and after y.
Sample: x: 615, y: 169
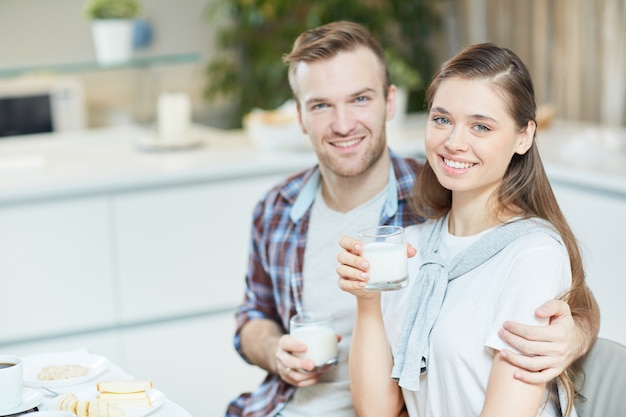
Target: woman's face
x: 471, y: 136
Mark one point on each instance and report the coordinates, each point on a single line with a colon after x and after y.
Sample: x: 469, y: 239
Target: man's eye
x: 318, y: 106
x: 361, y: 99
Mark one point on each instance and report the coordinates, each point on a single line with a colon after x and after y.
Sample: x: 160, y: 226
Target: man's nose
x: 344, y: 121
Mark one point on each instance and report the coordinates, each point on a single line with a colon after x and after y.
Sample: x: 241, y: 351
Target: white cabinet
x: 55, y: 264
x: 598, y: 220
x: 184, y: 250
x: 150, y: 278
x: 193, y: 361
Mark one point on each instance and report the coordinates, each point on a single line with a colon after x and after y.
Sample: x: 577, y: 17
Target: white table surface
x: 112, y: 372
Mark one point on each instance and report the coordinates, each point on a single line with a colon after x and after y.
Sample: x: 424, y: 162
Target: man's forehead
x: 347, y: 72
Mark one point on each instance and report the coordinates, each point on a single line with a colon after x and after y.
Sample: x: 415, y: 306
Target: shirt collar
x: 309, y: 189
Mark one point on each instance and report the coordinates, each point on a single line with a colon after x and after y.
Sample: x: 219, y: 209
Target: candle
x: 174, y: 117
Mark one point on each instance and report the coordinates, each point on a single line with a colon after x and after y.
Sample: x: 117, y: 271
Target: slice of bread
x: 132, y: 399
x: 124, y: 386
x: 99, y: 408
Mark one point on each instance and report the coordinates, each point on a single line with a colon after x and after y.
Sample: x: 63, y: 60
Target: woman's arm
x: 507, y: 396
x: 374, y: 392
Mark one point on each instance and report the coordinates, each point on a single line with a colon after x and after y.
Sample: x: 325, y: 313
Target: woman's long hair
x: 525, y: 188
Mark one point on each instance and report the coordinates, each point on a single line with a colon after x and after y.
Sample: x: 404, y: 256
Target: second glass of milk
x: 317, y: 331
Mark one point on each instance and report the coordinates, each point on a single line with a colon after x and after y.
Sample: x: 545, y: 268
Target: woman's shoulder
x: 414, y: 231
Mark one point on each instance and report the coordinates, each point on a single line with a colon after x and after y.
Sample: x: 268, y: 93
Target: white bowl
x: 275, y: 137
x: 275, y: 130
x: 52, y: 413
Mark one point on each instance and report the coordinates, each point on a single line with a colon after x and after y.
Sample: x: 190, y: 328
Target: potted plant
x: 112, y: 28
x: 248, y: 72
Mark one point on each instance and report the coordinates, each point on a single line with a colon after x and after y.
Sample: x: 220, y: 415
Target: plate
x: 34, y: 363
x: 156, y: 397
x: 30, y: 399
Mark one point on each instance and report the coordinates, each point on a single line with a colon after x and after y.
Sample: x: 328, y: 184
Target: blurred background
x: 137, y: 249
x: 217, y: 50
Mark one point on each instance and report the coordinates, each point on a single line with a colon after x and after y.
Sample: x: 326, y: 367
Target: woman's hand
x: 353, y: 270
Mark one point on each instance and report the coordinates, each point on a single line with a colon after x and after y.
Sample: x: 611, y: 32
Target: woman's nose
x: 456, y: 141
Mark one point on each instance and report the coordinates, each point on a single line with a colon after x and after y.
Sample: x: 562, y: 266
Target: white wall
x: 37, y: 33
x: 43, y: 32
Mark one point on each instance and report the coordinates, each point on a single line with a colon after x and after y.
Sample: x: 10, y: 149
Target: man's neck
x: 343, y: 194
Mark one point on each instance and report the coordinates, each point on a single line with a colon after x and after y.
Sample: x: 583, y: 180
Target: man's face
x: 343, y: 110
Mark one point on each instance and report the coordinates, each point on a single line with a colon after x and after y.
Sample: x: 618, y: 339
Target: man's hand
x: 292, y: 369
x: 546, y: 350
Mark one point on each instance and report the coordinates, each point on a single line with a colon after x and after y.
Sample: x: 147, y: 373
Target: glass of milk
x: 384, y: 247
x: 317, y: 331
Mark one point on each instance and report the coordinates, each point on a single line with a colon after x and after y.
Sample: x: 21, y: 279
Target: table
x: 110, y: 371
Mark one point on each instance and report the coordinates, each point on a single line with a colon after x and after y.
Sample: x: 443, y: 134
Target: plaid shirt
x: 274, y: 281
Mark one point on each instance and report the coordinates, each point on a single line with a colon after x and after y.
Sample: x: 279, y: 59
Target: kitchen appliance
x: 39, y: 104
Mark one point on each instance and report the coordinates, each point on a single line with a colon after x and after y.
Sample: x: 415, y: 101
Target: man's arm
x: 548, y: 350
x: 259, y: 343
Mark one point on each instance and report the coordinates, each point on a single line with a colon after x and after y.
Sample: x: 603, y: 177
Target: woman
x: 496, y: 245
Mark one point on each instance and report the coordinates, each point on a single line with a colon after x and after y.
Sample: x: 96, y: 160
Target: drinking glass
x: 317, y: 331
x: 384, y: 247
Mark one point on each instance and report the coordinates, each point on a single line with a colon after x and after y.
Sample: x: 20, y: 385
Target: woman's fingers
x: 349, y: 273
x: 350, y: 244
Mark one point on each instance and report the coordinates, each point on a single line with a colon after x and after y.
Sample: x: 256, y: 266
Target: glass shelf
x: 78, y: 67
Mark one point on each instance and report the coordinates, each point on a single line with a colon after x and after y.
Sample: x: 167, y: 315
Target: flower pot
x: 113, y: 40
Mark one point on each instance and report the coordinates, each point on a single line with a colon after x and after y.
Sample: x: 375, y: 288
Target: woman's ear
x: 526, y: 138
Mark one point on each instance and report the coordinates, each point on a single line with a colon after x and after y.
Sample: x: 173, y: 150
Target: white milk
x: 321, y: 343
x: 388, y: 261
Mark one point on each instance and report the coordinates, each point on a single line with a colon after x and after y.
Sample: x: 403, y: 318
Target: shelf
x: 78, y: 67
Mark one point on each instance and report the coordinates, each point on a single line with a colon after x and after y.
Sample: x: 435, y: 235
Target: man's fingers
x: 524, y: 332
x: 535, y: 377
x: 553, y: 309
x: 529, y: 363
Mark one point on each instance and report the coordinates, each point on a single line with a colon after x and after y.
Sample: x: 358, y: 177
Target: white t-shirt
x: 509, y: 286
x: 331, y: 397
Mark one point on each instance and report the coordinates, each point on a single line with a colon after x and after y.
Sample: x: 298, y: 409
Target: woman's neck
x: 470, y: 215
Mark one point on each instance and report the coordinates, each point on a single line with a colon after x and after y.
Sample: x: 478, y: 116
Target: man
x: 338, y: 76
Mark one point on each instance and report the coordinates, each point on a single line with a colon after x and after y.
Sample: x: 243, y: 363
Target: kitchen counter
x: 112, y: 159
x: 585, y: 155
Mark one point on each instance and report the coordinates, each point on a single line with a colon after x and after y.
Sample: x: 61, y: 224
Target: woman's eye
x: 441, y: 120
x: 481, y: 128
